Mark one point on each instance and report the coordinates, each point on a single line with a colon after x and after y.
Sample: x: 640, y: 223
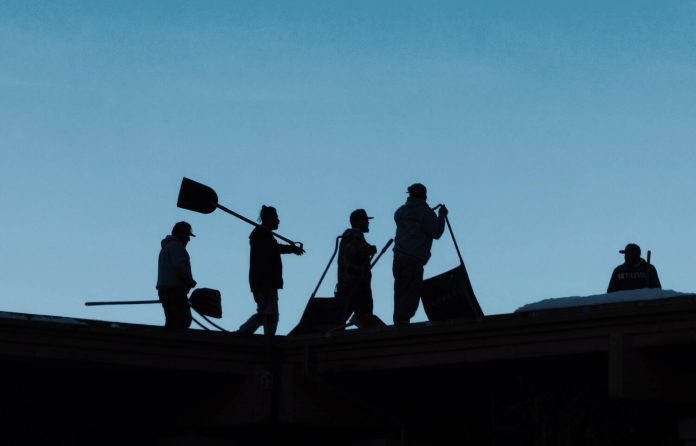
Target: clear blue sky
x: 556, y: 132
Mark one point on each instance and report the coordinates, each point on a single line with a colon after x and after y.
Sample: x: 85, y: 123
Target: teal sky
x: 555, y: 132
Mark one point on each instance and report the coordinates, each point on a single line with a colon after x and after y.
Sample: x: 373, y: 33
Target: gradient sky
x: 556, y: 132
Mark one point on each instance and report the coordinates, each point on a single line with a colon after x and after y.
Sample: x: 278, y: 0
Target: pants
x: 266, y: 314
x: 408, y: 280
x: 176, y: 308
x: 358, y: 298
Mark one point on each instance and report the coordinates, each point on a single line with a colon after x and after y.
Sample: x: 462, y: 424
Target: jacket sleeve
x: 433, y: 225
x: 654, y: 280
x: 612, y: 283
x: 286, y: 249
x: 181, y: 263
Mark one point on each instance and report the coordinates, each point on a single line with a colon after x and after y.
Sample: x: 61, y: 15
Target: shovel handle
x: 391, y: 240
x: 449, y: 227
x: 314, y: 293
x: 123, y: 302
x: 456, y: 246
x: 253, y: 223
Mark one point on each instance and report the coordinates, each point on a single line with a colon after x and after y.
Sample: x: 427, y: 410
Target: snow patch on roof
x: 598, y: 299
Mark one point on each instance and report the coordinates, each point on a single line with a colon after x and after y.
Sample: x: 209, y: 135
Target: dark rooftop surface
x: 371, y: 380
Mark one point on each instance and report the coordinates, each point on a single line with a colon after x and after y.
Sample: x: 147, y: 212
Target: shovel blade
x: 450, y: 296
x: 207, y: 302
x: 320, y: 315
x: 196, y: 197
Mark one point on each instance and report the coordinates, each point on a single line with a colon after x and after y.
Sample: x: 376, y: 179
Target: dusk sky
x: 555, y: 132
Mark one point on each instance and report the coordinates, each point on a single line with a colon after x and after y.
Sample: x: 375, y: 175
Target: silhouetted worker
x: 174, y: 278
x: 354, y: 275
x: 266, y: 273
x: 416, y: 227
x: 634, y: 273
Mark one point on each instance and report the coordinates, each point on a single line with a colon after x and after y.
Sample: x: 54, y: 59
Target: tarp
x: 450, y: 296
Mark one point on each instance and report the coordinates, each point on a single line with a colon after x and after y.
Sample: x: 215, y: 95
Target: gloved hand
x: 373, y: 250
x: 442, y: 211
x: 297, y: 250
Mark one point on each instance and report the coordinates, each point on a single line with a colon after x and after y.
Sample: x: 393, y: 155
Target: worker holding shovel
x: 416, y: 227
x: 266, y: 272
x: 174, y: 278
x: 354, y: 275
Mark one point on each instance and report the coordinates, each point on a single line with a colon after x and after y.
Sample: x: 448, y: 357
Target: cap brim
x: 192, y: 235
x: 622, y: 251
x: 370, y: 218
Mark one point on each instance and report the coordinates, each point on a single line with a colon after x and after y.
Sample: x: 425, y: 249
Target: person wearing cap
x: 416, y: 228
x: 266, y: 273
x: 174, y: 278
x: 634, y: 273
x: 354, y: 275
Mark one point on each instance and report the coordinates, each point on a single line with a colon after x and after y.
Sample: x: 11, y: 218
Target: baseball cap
x: 417, y: 190
x: 631, y: 248
x: 357, y: 215
x: 182, y: 227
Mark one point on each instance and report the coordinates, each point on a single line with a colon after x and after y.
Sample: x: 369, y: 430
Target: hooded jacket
x: 627, y: 277
x: 416, y: 227
x: 265, y: 266
x: 174, y: 266
x: 354, y: 259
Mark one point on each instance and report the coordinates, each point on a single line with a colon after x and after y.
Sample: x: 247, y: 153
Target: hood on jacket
x: 169, y: 239
x: 352, y: 232
x: 415, y: 202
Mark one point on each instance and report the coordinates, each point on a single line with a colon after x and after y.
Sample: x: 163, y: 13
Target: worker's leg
x: 268, y: 308
x: 251, y: 325
x: 408, y: 279
x: 362, y: 298
x: 176, y: 308
x: 257, y: 319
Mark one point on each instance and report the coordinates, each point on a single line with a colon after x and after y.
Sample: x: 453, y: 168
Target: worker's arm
x: 434, y: 225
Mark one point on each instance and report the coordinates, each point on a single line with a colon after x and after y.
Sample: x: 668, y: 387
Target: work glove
x: 442, y: 211
x: 297, y: 250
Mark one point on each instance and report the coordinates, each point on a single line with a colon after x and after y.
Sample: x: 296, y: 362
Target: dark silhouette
x: 634, y: 273
x: 198, y: 197
x: 354, y: 275
x: 174, y: 278
x: 266, y: 273
x: 416, y: 227
x: 450, y: 295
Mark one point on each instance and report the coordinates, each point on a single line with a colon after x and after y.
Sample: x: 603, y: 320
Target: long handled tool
x: 314, y: 293
x: 328, y: 314
x: 386, y: 246
x: 122, y: 302
x: 198, y: 197
x: 204, y: 301
x: 391, y: 240
x: 450, y: 295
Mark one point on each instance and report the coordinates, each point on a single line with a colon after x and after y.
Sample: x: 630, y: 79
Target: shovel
x: 198, y: 197
x: 450, y: 295
x: 328, y: 313
x: 205, y: 301
x: 372, y: 264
